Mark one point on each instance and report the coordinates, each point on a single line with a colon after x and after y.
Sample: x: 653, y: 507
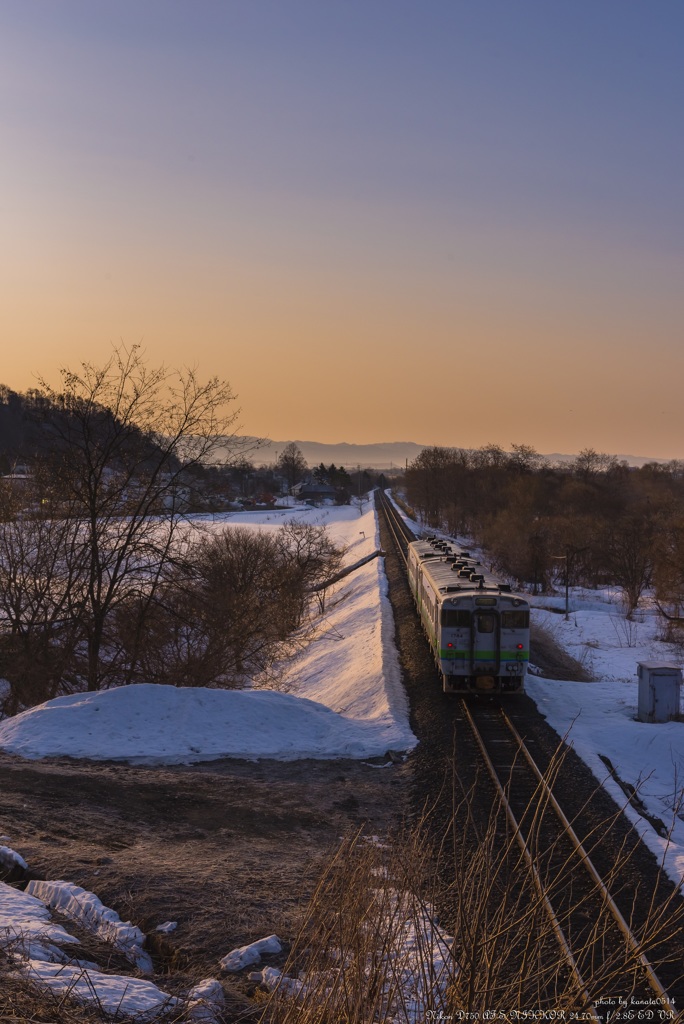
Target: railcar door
x: 486, y: 649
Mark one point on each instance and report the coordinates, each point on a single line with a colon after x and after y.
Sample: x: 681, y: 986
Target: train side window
x: 515, y: 620
x: 485, y: 622
x: 455, y: 618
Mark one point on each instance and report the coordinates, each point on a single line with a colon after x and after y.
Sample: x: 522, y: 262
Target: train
x: 479, y: 631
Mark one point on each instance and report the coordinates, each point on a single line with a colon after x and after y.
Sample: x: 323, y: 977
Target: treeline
x: 597, y: 519
x: 103, y: 581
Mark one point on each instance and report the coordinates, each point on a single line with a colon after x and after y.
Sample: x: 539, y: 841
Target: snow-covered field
x: 343, y: 696
x: 600, y: 717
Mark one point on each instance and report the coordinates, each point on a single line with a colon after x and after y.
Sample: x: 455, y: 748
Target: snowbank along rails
x: 478, y: 631
x: 594, y: 936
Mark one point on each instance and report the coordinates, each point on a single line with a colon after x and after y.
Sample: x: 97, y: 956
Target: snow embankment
x: 346, y: 698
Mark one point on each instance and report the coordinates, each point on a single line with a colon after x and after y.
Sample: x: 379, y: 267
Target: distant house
x: 311, y: 490
x: 19, y: 482
x: 19, y: 479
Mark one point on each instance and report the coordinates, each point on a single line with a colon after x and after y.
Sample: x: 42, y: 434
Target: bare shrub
x: 42, y: 592
x: 626, y: 630
x: 228, y: 608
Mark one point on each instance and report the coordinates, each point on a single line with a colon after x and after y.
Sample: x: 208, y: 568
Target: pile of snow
x: 246, y: 956
x: 205, y: 1002
x: 86, y: 909
x: 156, y: 724
x: 345, y: 699
x: 10, y: 859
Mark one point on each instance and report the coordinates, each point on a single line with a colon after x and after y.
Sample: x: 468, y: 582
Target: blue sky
x: 295, y: 193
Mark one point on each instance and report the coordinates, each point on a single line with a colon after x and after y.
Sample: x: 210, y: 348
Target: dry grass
x: 350, y: 959
x: 554, y: 662
x: 22, y: 1003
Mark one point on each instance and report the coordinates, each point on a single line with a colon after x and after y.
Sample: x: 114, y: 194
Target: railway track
x: 606, y: 957
x: 597, y: 942
x: 402, y: 535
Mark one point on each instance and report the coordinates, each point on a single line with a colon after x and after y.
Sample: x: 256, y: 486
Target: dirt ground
x: 231, y: 850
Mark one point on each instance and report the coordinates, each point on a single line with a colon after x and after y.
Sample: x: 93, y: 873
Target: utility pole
x: 565, y: 558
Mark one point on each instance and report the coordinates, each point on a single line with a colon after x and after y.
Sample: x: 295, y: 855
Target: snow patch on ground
x: 31, y: 940
x: 86, y: 909
x: 415, y: 970
x: 205, y: 1002
x: 115, y: 994
x: 27, y: 928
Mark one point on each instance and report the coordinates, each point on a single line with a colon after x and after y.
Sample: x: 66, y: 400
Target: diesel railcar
x: 478, y: 630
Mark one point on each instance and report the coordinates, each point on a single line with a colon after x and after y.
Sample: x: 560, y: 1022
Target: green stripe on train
x: 449, y: 654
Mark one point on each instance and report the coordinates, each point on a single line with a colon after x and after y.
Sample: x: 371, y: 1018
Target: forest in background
x: 595, y: 521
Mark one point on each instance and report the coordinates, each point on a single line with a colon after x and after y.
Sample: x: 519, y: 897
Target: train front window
x: 515, y: 620
x: 455, y: 618
x: 485, y: 622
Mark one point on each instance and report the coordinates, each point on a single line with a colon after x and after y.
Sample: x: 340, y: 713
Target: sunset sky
x: 447, y: 221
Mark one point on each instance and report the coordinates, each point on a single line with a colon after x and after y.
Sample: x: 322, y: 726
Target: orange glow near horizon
x: 439, y: 250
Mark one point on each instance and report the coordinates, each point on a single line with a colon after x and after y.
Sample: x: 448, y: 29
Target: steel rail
x: 393, y: 522
x: 529, y: 860
x: 632, y: 940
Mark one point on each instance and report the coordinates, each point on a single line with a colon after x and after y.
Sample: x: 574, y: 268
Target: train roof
x: 440, y: 559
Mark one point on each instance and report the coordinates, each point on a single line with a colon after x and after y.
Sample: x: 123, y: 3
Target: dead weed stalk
x: 370, y: 948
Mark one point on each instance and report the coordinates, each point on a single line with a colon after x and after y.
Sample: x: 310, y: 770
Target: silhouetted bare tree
x: 292, y: 464
x: 119, y: 444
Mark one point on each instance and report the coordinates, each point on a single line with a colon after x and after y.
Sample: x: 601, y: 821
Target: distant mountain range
x: 388, y: 455
x: 384, y: 455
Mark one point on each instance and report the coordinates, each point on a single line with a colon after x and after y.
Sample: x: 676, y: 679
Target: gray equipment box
x: 659, y: 691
